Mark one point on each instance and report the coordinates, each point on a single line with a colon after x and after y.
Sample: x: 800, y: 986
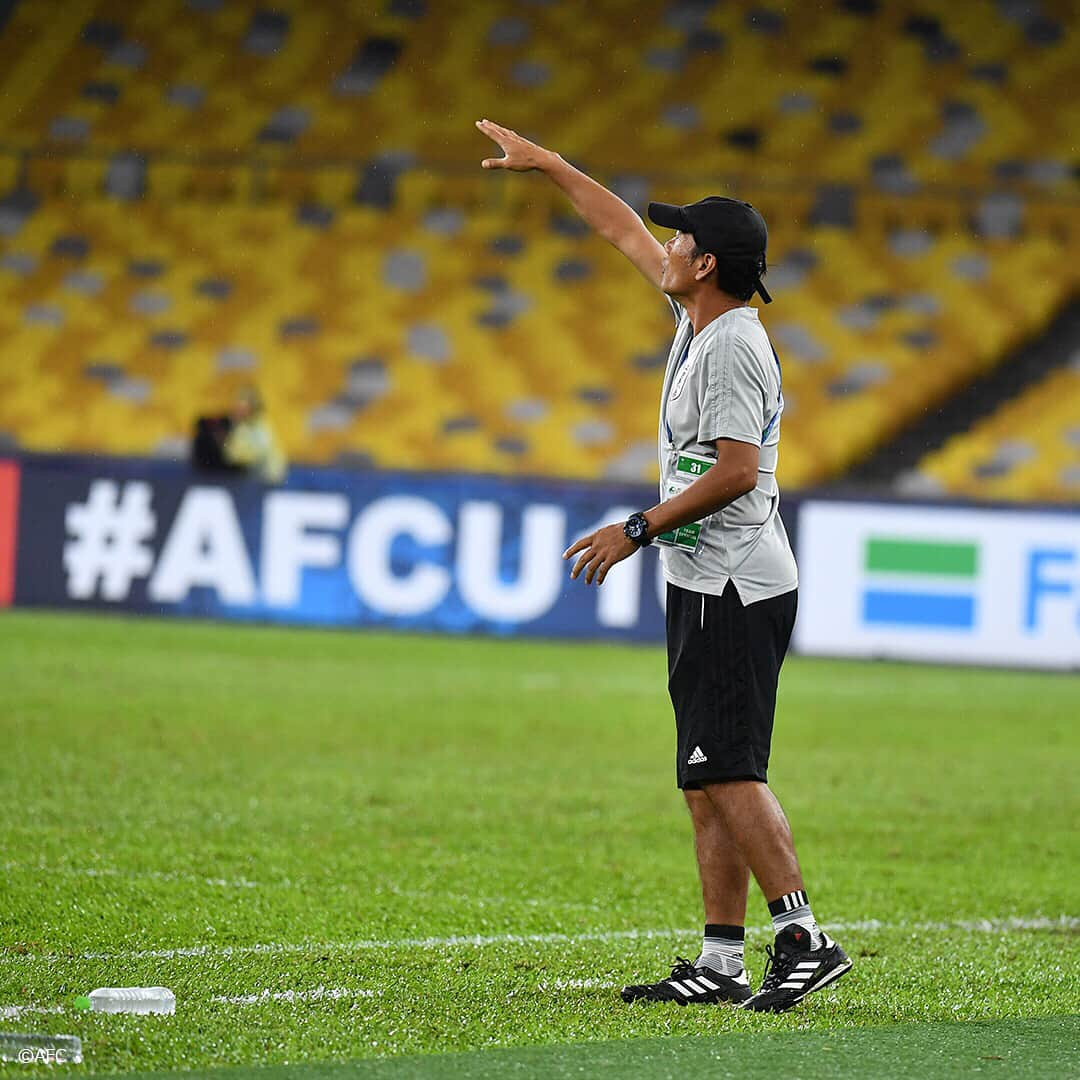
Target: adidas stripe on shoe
x: 795, y: 970
x: 689, y: 985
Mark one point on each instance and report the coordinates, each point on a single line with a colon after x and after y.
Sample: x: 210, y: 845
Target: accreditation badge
x: 688, y: 467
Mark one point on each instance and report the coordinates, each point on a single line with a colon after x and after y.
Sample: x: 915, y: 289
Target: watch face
x: 636, y: 527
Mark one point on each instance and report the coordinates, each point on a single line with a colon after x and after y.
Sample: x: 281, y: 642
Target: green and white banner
x: 980, y: 586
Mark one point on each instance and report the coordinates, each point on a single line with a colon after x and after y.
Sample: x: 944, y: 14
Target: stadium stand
x: 376, y: 336
x: 1027, y: 449
x: 901, y: 93
x: 206, y: 194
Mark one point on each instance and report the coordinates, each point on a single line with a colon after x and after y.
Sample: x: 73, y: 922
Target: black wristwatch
x: 637, y: 530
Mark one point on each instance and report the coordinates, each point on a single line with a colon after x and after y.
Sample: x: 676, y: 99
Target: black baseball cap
x: 726, y: 228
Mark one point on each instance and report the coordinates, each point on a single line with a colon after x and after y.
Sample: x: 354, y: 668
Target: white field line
x: 580, y: 984
x: 13, y: 1012
x: 320, y: 993
x: 283, y: 883
x: 479, y: 941
x: 131, y: 875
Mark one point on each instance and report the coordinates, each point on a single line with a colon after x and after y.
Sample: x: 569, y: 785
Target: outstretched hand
x: 519, y: 155
x: 599, y: 552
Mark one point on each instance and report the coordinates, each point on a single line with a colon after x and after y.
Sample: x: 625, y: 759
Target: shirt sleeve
x: 735, y: 393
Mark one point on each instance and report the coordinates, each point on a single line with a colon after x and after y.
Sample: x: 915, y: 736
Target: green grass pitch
x: 434, y: 857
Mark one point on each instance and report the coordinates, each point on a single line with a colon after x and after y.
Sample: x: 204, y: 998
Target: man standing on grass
x: 731, y: 576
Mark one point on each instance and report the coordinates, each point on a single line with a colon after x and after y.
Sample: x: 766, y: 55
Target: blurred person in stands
x: 240, y: 441
x: 252, y: 444
x: 208, y: 443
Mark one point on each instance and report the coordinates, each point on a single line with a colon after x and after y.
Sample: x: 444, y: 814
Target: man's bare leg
x: 755, y: 822
x: 719, y: 974
x: 725, y: 876
x: 805, y: 959
x: 725, y: 879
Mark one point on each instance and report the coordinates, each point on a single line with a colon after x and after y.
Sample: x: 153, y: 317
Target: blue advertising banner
x: 479, y: 554
x: 458, y: 553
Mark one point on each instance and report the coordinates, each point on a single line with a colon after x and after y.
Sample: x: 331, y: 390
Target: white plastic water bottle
x: 133, y: 999
x: 40, y: 1049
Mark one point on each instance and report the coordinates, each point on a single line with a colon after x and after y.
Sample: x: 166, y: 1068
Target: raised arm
x: 602, y: 210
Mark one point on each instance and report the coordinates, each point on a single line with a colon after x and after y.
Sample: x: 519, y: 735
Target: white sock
x: 722, y: 949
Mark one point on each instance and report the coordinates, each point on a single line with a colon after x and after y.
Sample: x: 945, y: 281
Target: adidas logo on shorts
x: 697, y: 757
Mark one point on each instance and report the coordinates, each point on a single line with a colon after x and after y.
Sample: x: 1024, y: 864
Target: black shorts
x: 723, y: 664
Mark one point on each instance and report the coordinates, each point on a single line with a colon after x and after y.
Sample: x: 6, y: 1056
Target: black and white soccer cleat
x: 689, y: 985
x: 795, y: 970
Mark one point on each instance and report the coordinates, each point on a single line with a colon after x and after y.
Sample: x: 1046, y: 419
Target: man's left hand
x: 600, y: 552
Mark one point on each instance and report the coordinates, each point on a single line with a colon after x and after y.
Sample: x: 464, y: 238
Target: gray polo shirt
x: 724, y: 383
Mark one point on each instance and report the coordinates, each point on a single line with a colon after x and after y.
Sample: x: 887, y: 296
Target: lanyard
x: 674, y: 375
x: 780, y: 396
